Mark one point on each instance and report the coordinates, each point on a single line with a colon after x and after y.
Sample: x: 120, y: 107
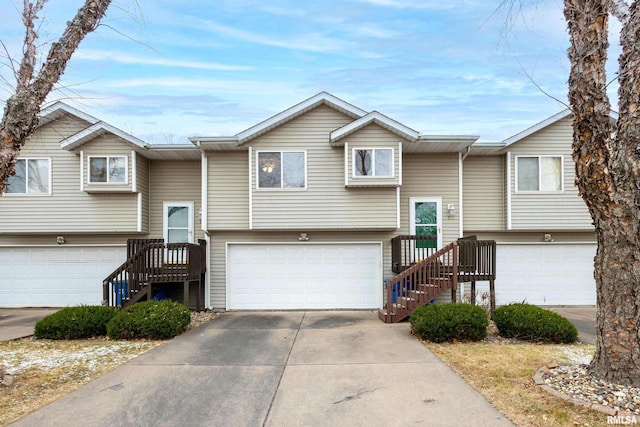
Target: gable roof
x: 58, y: 109
x: 94, y: 131
x: 486, y: 148
x: 377, y: 118
x: 322, y: 98
x: 98, y: 127
x: 417, y: 142
x: 537, y: 127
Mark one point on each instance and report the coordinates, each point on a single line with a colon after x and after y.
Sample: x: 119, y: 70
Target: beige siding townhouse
x: 297, y: 212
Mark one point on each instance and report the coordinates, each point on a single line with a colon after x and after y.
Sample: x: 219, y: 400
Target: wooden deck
x: 152, y: 264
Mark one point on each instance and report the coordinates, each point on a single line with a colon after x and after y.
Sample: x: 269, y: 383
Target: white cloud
x: 124, y: 58
x: 312, y: 42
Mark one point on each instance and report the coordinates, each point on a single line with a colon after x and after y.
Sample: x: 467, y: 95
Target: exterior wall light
x: 60, y: 240
x: 451, y: 208
x: 303, y: 237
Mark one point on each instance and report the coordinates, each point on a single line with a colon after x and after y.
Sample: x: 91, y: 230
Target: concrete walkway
x: 279, y: 369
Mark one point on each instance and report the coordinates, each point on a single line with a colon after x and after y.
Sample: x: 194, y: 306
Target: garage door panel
x: 55, y: 276
x: 545, y: 274
x: 321, y: 276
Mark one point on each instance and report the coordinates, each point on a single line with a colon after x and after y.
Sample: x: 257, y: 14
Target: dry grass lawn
x: 502, y: 373
x: 45, y: 370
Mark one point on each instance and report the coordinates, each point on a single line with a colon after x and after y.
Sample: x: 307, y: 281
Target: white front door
x: 178, y: 222
x: 426, y: 220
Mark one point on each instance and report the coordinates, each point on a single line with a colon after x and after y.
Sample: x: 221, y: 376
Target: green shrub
x: 529, y: 322
x: 149, y: 319
x: 83, y: 321
x: 448, y: 322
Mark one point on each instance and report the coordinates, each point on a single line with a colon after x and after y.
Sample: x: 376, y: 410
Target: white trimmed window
x: 373, y: 162
x: 108, y: 169
x: 33, y: 176
x: 539, y: 173
x: 282, y: 169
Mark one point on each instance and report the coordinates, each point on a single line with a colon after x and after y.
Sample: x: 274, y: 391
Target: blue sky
x: 165, y: 70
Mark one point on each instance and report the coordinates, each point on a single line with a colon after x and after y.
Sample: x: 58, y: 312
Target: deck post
x: 473, y: 292
x: 185, y: 293
x: 492, y: 294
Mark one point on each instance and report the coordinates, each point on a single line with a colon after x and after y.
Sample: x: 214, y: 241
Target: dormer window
x: 373, y: 162
x: 108, y: 169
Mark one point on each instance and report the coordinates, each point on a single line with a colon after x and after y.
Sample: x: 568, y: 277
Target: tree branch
x: 619, y: 9
x: 29, y: 17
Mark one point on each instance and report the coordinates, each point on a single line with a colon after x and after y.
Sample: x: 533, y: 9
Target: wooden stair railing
x: 152, y: 261
x: 420, y: 284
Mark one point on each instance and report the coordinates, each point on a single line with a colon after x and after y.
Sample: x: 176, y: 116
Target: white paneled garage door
x: 304, y: 276
x: 545, y: 274
x: 55, y: 276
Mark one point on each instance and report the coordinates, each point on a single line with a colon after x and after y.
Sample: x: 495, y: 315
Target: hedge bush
x: 529, y: 322
x: 448, y: 322
x: 149, y: 319
x: 83, y: 321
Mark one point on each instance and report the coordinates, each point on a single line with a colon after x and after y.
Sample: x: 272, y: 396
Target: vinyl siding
x: 142, y: 178
x: 37, y: 240
x: 483, y: 193
x: 228, y: 192
x: 174, y: 181
x: 325, y: 203
x: 373, y: 136
x: 548, y: 211
x: 431, y: 175
x: 68, y: 209
x: 537, y: 237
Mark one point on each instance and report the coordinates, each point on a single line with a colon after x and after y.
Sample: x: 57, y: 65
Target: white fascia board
x: 95, y: 131
x: 378, y: 118
x: 296, y: 110
x: 59, y: 108
x: 535, y: 128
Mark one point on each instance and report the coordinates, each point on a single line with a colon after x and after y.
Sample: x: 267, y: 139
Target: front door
x: 426, y: 220
x: 178, y: 222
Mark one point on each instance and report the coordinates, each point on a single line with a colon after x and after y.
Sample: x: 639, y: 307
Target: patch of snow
x: 578, y: 355
x: 16, y: 361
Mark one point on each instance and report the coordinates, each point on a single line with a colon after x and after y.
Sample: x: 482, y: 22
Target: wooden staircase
x: 152, y: 262
x: 418, y: 283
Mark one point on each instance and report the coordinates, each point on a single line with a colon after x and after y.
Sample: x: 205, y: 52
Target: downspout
x: 204, y: 219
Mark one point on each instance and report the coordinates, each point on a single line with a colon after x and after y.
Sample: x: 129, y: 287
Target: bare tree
x: 33, y: 86
x: 607, y: 159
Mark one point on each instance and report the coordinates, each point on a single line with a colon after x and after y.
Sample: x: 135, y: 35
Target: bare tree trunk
x: 21, y: 110
x: 607, y: 177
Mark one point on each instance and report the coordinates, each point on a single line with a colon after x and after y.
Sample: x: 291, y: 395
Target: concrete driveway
x: 18, y: 323
x: 583, y: 318
x: 279, y: 369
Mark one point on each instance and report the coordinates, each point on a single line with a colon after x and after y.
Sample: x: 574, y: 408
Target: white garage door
x: 545, y: 274
x: 304, y: 276
x: 55, y: 276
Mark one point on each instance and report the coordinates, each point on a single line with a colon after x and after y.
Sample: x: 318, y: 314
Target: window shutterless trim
x: 126, y: 170
x: 373, y: 163
x: 539, y: 157
x: 26, y: 179
x: 281, y: 188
